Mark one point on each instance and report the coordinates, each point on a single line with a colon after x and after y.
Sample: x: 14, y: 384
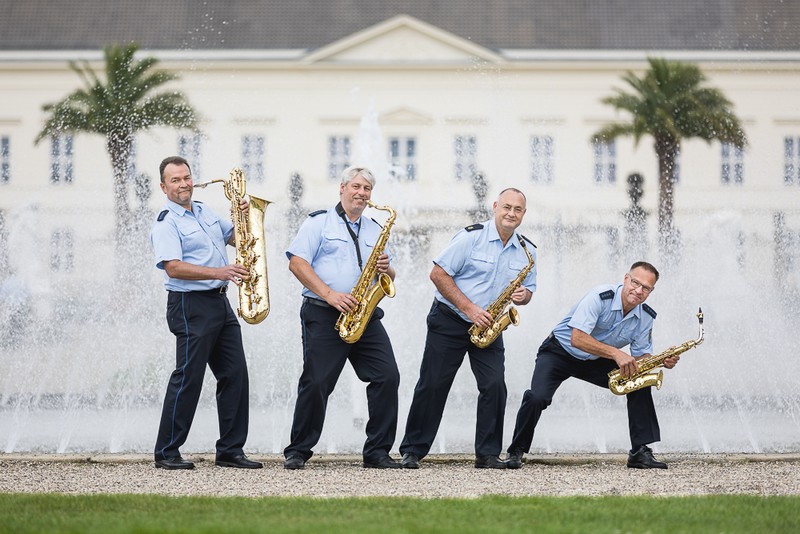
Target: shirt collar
x: 180, y: 210
x: 494, y: 235
x: 616, y: 304
x: 340, y: 213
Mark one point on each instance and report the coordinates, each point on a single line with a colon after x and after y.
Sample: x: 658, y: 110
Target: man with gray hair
x: 327, y: 256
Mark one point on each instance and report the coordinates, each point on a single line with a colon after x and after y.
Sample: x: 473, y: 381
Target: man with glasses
x: 586, y: 344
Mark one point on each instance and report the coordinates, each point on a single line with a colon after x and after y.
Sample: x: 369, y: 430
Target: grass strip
x: 24, y: 513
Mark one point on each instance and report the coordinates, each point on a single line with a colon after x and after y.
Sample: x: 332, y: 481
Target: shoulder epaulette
x: 471, y: 227
x: 196, y: 201
x: 605, y: 295
x: 162, y: 215
x: 315, y: 213
x: 523, y: 238
x: 650, y: 311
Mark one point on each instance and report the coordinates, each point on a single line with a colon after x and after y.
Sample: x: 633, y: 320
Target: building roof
x: 766, y: 25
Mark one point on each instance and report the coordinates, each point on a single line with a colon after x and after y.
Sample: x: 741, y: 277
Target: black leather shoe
x: 643, y: 459
x: 490, y: 462
x: 241, y: 461
x: 514, y: 460
x: 384, y: 463
x: 294, y: 462
x: 410, y: 461
x: 176, y: 462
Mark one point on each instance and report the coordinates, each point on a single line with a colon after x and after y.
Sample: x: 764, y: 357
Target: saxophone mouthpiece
x: 700, y: 315
x: 203, y: 185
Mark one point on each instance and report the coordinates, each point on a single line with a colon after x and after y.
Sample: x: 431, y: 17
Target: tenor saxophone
x: 250, y: 247
x: 620, y: 385
x: 483, y: 337
x: 368, y: 291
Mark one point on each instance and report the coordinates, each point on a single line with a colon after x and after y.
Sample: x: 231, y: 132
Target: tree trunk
x: 119, y: 150
x: 666, y: 150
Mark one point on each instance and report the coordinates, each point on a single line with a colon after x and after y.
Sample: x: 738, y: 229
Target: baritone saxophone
x: 370, y: 288
x: 250, y: 246
x: 620, y: 385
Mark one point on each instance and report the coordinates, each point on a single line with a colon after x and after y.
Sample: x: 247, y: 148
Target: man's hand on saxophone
x: 235, y: 273
x: 521, y: 296
x: 342, y: 302
x: 383, y: 266
x: 671, y: 362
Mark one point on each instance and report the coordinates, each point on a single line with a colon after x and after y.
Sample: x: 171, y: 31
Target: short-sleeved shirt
x: 482, y: 267
x: 599, y: 314
x: 325, y: 243
x: 198, y: 237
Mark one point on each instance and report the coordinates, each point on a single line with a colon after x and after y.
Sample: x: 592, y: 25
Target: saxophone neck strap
x: 353, y: 235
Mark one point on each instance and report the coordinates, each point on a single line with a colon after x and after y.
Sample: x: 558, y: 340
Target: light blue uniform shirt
x: 324, y: 242
x: 482, y: 267
x: 198, y: 237
x: 602, y: 319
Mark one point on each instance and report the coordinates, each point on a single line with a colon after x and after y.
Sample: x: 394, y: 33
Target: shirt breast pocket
x: 482, y: 262
x: 335, y: 246
x: 190, y: 233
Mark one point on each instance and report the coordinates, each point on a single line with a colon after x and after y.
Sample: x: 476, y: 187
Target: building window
x: 542, y: 159
x: 61, y: 250
x: 5, y: 159
x: 466, y: 155
x: 61, y: 159
x: 253, y: 157
x: 338, y: 155
x: 732, y: 164
x: 791, y: 160
x: 189, y: 149
x: 605, y: 162
x: 403, y: 158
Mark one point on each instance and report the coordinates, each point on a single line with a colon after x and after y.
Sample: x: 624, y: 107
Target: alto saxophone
x: 351, y: 325
x: 483, y: 337
x: 620, y: 385
x: 250, y: 247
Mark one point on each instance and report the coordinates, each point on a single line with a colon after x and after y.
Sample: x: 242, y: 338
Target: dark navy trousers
x: 324, y: 356
x: 553, y: 366
x: 445, y: 346
x: 206, y: 333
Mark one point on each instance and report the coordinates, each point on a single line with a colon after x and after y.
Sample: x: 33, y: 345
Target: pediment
x: 402, y: 40
x: 403, y: 116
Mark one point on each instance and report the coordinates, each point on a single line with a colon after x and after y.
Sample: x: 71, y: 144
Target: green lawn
x: 21, y: 513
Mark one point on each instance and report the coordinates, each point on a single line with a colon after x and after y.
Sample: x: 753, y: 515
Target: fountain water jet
x: 84, y: 379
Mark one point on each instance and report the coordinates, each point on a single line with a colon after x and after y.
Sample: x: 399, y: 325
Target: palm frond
x: 126, y: 102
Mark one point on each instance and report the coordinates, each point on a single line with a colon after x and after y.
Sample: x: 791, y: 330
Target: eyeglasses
x: 638, y: 285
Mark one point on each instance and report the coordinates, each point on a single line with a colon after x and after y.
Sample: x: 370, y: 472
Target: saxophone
x: 483, y: 337
x: 351, y: 325
x: 250, y: 247
x: 620, y: 385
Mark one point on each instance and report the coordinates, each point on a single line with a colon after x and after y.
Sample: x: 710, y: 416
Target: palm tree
x: 670, y: 104
x: 118, y: 109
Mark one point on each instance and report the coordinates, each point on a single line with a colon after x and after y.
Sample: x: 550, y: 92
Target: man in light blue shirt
x: 327, y: 256
x: 469, y: 275
x: 189, y: 242
x: 586, y: 344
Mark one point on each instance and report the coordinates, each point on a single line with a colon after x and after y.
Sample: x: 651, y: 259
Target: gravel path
x: 439, y: 476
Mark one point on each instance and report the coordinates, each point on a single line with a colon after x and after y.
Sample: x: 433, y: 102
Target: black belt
x: 316, y: 302
x: 221, y: 290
